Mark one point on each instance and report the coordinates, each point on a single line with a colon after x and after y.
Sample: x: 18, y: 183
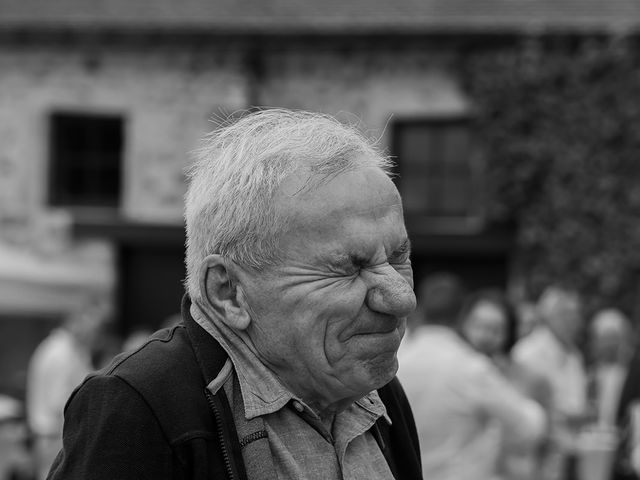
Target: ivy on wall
x: 561, y: 125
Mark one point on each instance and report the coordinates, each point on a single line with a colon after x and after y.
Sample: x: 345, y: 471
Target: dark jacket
x: 149, y: 416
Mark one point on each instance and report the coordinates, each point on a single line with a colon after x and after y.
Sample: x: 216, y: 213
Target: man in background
x: 611, y: 342
x: 462, y: 404
x: 58, y: 365
x: 551, y: 351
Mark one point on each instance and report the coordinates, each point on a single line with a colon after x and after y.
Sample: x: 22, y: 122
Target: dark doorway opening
x: 151, y: 285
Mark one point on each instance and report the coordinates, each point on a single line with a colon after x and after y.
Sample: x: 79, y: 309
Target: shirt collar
x: 261, y: 390
x: 373, y: 404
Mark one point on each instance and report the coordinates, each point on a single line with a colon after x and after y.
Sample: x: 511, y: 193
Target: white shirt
x: 57, y: 367
x: 562, y: 367
x: 462, y: 405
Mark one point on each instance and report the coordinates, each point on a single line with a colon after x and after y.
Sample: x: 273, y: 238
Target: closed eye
x: 346, y: 264
x: 401, y: 254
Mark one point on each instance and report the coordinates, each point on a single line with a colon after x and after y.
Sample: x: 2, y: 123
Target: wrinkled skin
x: 329, y: 318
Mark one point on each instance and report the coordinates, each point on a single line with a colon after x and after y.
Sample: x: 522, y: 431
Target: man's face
x: 565, y: 319
x: 329, y: 318
x: 485, y: 328
x: 88, y: 325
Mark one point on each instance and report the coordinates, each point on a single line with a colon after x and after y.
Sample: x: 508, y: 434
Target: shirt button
x: 298, y: 406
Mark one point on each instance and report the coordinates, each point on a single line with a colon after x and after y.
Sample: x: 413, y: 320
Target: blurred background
x: 514, y: 124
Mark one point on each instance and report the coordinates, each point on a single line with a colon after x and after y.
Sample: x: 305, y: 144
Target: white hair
x: 229, y: 208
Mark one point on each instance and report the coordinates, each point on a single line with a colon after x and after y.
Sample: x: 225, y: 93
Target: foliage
x: 562, y: 128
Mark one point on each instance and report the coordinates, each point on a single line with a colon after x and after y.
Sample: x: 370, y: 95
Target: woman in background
x: 488, y: 322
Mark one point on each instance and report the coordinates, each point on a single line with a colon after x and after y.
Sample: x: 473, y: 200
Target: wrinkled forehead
x: 365, y: 192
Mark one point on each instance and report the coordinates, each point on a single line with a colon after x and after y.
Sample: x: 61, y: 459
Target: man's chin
x: 380, y: 370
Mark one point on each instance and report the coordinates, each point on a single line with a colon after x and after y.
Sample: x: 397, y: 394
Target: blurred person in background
x: 626, y: 465
x: 611, y: 344
x: 461, y: 402
x: 627, y: 459
x: 528, y: 319
x: 58, y: 365
x: 551, y: 351
x: 442, y: 294
x: 611, y: 347
x: 488, y: 322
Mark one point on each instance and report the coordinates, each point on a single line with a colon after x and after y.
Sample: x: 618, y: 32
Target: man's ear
x: 221, y: 294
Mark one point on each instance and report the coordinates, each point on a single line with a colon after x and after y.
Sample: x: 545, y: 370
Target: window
x: 439, y: 174
x: 85, y: 160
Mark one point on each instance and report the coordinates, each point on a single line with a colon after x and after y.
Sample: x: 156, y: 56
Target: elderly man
x: 299, y: 284
x: 551, y: 351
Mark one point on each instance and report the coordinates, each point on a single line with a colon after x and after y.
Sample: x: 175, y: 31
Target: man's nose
x: 391, y: 293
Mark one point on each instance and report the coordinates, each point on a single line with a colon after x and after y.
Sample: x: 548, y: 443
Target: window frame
x: 473, y: 220
x: 57, y: 196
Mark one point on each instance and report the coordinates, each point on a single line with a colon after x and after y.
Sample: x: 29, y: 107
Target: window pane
x: 436, y: 178
x: 86, y: 159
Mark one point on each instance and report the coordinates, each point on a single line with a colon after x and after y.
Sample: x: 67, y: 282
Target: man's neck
x: 298, y: 382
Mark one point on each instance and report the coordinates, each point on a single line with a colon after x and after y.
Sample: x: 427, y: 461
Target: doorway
x: 150, y: 286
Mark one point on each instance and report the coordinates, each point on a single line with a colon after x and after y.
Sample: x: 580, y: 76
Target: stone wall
x: 167, y: 96
x: 371, y: 87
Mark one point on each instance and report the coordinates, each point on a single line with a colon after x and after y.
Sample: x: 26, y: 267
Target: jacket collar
x: 210, y: 356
